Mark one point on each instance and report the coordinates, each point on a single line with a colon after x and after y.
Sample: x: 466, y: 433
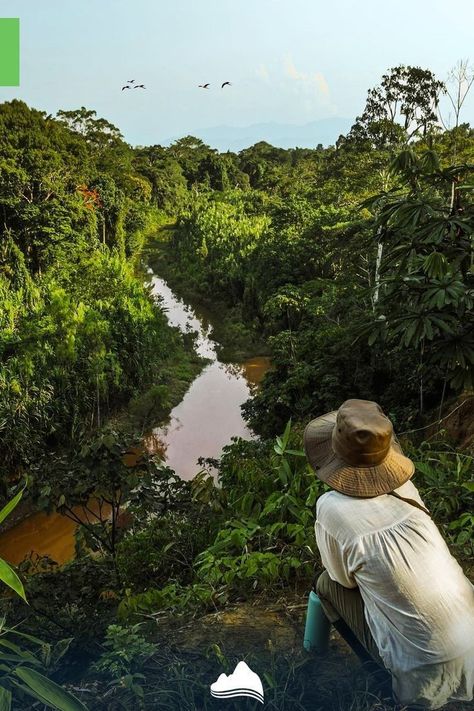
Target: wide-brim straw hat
x: 355, y: 451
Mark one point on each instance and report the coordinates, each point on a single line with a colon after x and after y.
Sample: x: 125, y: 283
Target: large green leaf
x: 12, y: 647
x: 10, y: 578
x: 16, y: 659
x: 5, y: 699
x: 48, y: 691
x: 8, y: 508
x: 29, y: 637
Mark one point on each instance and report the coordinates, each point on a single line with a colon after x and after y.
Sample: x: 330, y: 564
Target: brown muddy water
x: 201, y: 425
x: 209, y: 414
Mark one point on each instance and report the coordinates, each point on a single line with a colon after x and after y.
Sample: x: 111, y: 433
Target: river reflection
x: 209, y: 415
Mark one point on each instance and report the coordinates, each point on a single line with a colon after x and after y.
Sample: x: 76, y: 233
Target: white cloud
x: 308, y: 82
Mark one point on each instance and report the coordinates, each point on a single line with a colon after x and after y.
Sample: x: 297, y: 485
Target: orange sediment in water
x: 256, y: 368
x: 44, y: 534
x: 40, y: 534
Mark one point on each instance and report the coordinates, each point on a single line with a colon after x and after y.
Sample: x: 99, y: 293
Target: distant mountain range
x: 308, y: 135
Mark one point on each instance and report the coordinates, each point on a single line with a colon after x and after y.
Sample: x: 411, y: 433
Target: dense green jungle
x: 351, y: 265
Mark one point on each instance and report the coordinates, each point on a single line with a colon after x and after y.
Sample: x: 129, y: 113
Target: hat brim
x: 360, y: 481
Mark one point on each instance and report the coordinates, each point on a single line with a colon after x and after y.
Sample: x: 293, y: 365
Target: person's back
x: 391, y: 586
x: 419, y: 606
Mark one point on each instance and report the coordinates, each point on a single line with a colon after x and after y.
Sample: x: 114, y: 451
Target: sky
x: 289, y: 61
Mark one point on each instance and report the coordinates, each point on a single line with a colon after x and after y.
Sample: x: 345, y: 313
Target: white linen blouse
x: 419, y: 605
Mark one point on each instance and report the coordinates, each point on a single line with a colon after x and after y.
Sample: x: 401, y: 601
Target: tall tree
x: 402, y: 106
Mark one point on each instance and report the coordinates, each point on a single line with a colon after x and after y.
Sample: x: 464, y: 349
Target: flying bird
x: 226, y: 83
x: 129, y: 83
x: 204, y: 86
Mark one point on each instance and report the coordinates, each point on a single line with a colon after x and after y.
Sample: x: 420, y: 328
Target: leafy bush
x: 264, y: 517
x: 173, y: 598
x: 126, y: 650
x: 164, y: 550
x: 445, y: 479
x: 78, y: 601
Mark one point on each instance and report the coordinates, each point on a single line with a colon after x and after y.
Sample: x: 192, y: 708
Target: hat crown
x: 363, y: 434
x: 355, y: 450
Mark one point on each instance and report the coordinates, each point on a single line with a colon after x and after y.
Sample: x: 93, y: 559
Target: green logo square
x: 9, y: 51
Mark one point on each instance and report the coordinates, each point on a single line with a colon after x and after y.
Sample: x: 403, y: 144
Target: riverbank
x: 189, y: 413
x: 28, y: 531
x: 209, y: 415
x: 236, y: 340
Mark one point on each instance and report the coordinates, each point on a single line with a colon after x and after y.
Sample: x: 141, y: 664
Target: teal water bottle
x: 316, y: 631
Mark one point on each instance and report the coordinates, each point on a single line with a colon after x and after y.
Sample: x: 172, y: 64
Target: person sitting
x: 389, y: 579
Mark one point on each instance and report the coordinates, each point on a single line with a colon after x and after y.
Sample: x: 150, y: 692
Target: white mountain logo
x: 242, y: 682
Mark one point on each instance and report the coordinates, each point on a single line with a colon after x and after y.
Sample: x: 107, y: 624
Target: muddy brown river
x: 205, y: 420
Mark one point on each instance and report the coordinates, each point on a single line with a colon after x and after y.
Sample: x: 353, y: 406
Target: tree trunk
x: 378, y: 263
